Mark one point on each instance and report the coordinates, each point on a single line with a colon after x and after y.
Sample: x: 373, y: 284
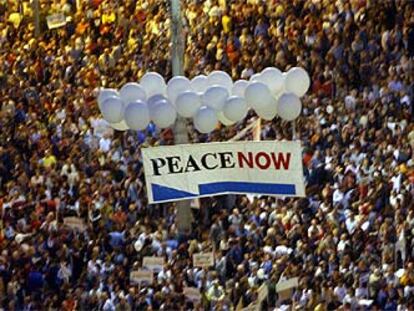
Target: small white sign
x: 141, y: 276
x: 288, y: 284
x: 203, y: 260
x: 155, y: 264
x: 75, y: 223
x: 285, y: 288
x: 56, y: 20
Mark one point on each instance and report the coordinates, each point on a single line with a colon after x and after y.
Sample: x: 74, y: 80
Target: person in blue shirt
x: 236, y: 252
x: 391, y: 305
x: 116, y: 239
x: 261, y: 28
x: 35, y: 280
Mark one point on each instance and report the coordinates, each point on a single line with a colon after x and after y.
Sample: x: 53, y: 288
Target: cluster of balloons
x: 206, y: 99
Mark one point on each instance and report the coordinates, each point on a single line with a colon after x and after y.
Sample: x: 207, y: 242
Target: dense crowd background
x: 348, y: 242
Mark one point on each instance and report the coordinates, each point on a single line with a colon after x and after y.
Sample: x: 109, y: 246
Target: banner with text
x: 201, y: 170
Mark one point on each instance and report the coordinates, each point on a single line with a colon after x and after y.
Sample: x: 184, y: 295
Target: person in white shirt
x: 108, y: 305
x: 338, y: 195
x: 351, y: 223
x: 304, y: 298
x: 315, y: 230
x: 340, y: 291
x: 247, y: 73
x: 37, y: 179
x: 235, y: 218
x: 93, y: 269
x: 396, y: 182
x: 342, y: 243
x: 351, y: 299
x: 105, y: 144
x: 73, y: 177
x: 361, y: 292
x: 65, y: 272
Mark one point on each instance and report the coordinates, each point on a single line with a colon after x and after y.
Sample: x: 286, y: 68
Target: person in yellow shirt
x: 49, y: 159
x: 226, y: 22
x: 108, y: 17
x: 280, y: 10
x: 15, y: 18
x: 132, y: 41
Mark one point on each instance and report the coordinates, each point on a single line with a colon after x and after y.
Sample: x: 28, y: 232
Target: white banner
x: 203, y: 170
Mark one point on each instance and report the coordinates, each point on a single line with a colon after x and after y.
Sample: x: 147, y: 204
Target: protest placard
x: 56, y: 20
x: 141, y: 276
x: 75, y: 223
x: 155, y: 264
x: 203, y: 260
x: 285, y: 288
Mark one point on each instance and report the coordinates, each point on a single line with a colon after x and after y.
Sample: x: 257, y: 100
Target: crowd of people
x: 348, y: 243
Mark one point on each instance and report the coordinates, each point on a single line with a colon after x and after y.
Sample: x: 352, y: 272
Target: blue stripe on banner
x: 163, y: 193
x: 246, y: 187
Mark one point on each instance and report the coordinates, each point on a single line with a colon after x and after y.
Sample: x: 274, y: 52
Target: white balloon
x: 137, y: 115
x: 223, y: 120
x: 239, y: 88
x: 112, y: 109
x: 205, y: 120
x: 289, y: 106
x: 187, y: 104
x: 215, y: 97
x: 297, y: 81
x: 273, y: 78
x: 254, y: 77
x: 258, y: 95
x: 131, y: 92
x: 153, y: 100
x: 235, y: 109
x: 104, y: 94
x: 176, y: 86
x: 120, y: 126
x: 269, y: 112
x: 199, y: 83
x: 221, y: 78
x: 153, y: 83
x: 163, y: 114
